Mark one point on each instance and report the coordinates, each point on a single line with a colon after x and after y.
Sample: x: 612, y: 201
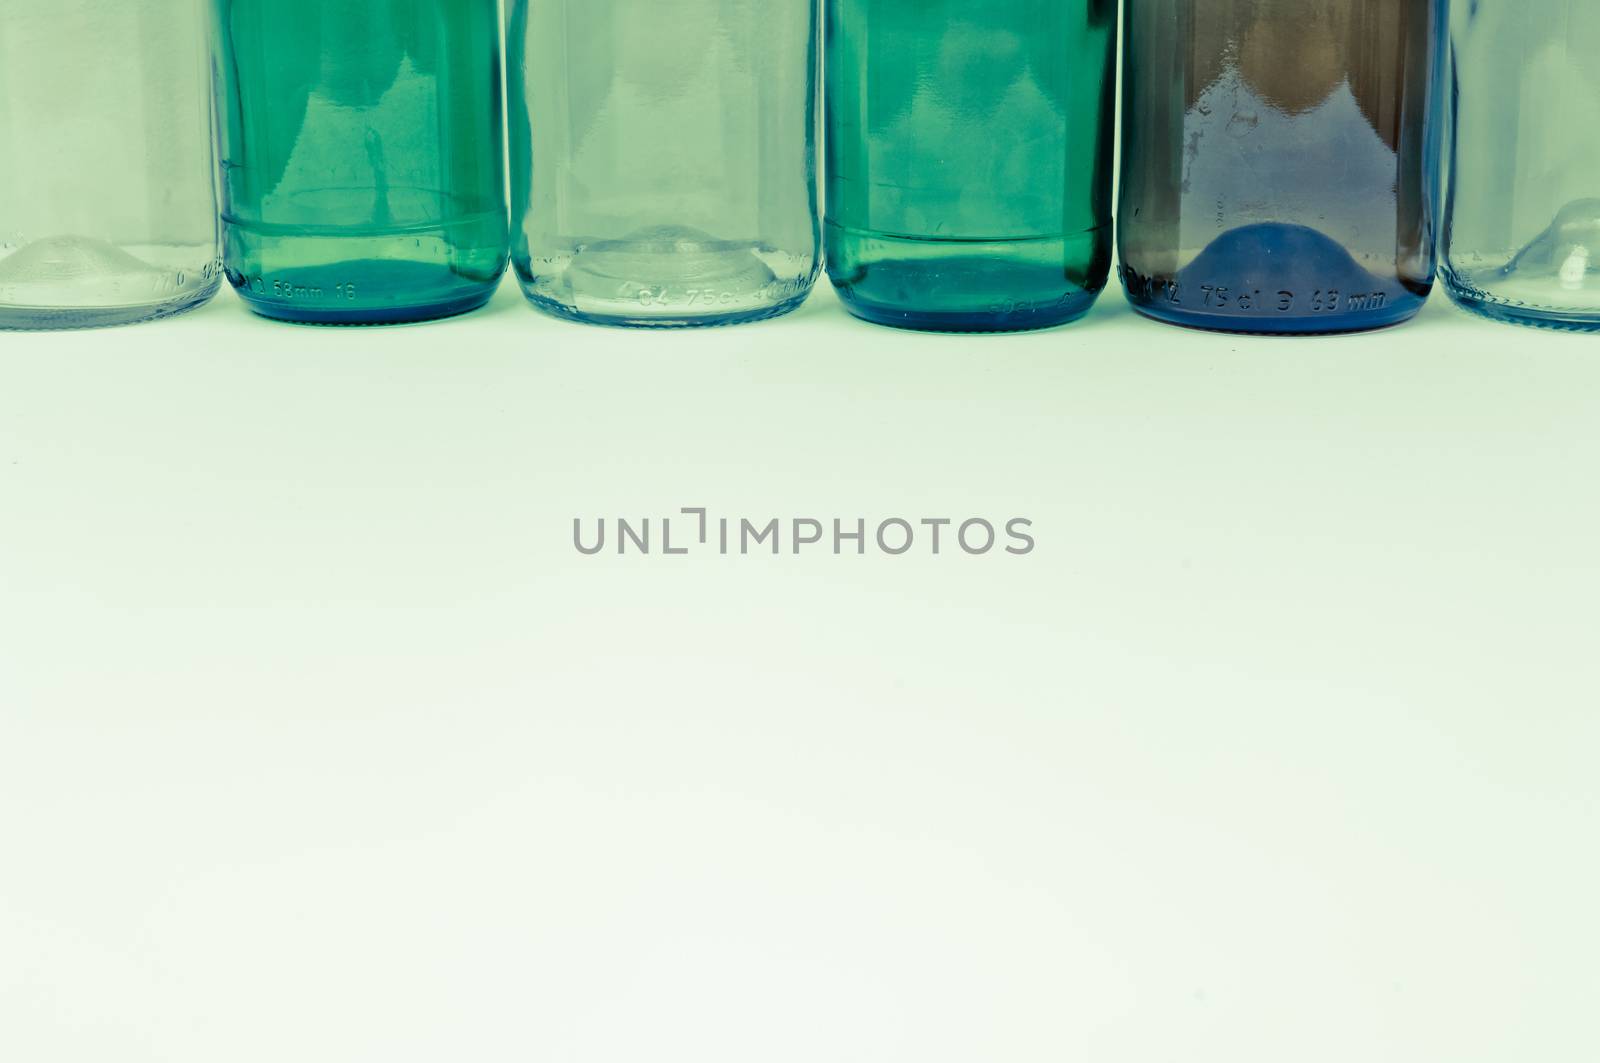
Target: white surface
x: 319, y: 741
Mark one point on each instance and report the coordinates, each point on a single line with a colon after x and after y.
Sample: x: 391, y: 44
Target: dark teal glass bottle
x: 969, y: 160
x: 363, y: 173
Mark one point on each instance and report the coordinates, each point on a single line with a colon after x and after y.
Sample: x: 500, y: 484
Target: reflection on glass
x: 663, y: 158
x: 969, y: 160
x: 1280, y: 160
x: 1522, y: 232
x: 107, y: 209
x: 363, y: 173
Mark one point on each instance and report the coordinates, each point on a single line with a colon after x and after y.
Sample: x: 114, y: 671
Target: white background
x: 320, y: 742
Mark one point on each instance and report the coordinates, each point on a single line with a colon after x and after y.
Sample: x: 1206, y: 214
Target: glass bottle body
x: 664, y: 158
x: 107, y: 203
x: 1522, y: 227
x: 1280, y: 161
x: 969, y: 160
x: 362, y: 160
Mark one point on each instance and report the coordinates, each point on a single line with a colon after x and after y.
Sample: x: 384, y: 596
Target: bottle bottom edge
x: 17, y: 318
x: 967, y: 322
x: 1236, y: 325
x: 665, y: 323
x: 987, y: 285
x: 1481, y: 303
x: 368, y: 317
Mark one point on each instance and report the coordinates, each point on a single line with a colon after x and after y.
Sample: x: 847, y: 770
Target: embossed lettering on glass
x: 362, y: 157
x: 1280, y: 161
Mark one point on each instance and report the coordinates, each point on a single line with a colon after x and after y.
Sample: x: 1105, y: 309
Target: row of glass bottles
x: 1279, y: 158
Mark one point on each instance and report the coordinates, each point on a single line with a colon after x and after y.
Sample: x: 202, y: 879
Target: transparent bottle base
x: 386, y: 277
x: 623, y: 320
x: 1553, y: 282
x: 1273, y: 279
x: 60, y: 319
x: 970, y: 285
x: 668, y: 277
x: 1474, y: 299
x: 73, y: 282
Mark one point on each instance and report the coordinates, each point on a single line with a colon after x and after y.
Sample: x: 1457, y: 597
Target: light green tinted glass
x: 363, y: 172
x: 969, y: 159
x: 107, y: 210
x: 663, y: 158
x: 1522, y: 236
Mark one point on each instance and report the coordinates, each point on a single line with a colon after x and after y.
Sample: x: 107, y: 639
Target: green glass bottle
x: 969, y: 160
x: 363, y: 173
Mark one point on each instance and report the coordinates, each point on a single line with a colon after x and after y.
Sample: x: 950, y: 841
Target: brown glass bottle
x: 1280, y: 161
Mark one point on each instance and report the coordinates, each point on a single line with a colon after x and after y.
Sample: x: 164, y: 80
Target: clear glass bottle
x: 362, y: 157
x: 1522, y: 227
x: 1280, y: 161
x: 663, y: 158
x: 107, y: 209
x: 969, y: 160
